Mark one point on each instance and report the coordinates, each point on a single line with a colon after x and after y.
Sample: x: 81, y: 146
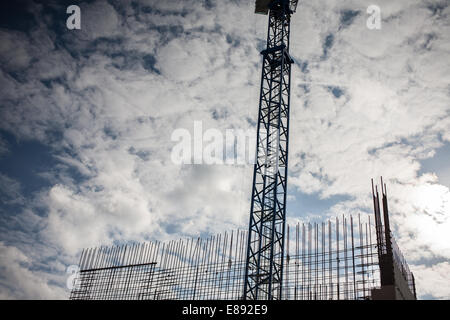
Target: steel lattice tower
x: 265, y: 249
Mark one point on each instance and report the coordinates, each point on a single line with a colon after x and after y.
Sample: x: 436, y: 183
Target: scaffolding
x: 332, y: 260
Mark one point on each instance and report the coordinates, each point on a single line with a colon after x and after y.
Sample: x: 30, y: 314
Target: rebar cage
x: 332, y: 260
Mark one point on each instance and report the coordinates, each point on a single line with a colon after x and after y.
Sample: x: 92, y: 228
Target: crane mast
x: 265, y: 248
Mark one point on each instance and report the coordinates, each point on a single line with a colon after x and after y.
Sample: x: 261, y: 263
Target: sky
x: 87, y: 117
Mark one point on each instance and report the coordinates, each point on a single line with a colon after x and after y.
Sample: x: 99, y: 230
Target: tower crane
x: 265, y: 247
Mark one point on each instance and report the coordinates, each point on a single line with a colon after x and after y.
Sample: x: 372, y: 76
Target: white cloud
x: 98, y: 19
x: 187, y: 60
x: 422, y: 218
x: 17, y: 281
x: 10, y: 190
x: 433, y: 280
x: 14, y: 53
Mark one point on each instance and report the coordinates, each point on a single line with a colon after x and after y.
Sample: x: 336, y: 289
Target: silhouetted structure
x: 397, y: 282
x: 265, y: 249
x: 333, y: 260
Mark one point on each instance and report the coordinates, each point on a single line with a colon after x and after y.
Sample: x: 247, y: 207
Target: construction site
x: 353, y: 257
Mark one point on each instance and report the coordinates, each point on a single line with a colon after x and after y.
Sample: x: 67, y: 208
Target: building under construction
x: 341, y: 259
x: 345, y: 258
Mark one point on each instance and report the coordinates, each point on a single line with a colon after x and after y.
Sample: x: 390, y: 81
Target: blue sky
x: 437, y: 164
x: 87, y: 117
